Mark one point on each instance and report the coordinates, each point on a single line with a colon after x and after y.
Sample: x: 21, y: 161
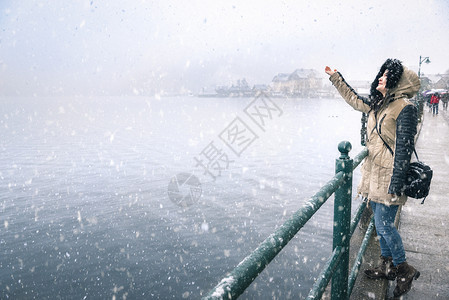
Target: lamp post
x: 419, y: 98
x: 421, y: 60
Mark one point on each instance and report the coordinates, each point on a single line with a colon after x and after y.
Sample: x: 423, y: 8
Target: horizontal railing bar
x: 247, y: 270
x: 326, y: 274
x: 358, y: 260
x: 357, y: 217
x: 359, y: 158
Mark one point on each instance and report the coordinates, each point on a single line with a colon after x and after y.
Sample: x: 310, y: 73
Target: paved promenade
x: 425, y: 228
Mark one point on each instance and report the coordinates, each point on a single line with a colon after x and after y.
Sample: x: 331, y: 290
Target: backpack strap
x: 416, y: 154
x: 378, y: 133
x: 422, y: 202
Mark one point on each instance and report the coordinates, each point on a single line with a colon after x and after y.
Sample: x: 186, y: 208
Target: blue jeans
x: 390, y: 240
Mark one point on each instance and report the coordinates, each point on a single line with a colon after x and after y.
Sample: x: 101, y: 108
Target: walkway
x: 424, y: 228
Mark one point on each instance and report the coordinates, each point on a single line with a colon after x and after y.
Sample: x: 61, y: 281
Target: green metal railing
x: 337, y: 267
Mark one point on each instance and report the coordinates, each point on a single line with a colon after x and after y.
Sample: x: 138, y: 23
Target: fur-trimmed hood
x: 408, y: 85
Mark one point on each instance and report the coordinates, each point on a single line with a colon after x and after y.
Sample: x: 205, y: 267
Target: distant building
x: 241, y: 89
x: 442, y: 83
x: 426, y: 83
x: 280, y: 84
x: 301, y: 83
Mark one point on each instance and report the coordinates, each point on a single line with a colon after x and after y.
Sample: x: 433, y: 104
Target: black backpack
x: 419, y: 176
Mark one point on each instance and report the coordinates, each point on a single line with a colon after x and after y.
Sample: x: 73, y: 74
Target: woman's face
x: 381, y: 87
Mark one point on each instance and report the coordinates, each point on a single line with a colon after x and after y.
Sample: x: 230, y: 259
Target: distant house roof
x: 281, y: 77
x: 432, y: 77
x: 303, y: 74
x: 296, y: 75
x: 443, y: 82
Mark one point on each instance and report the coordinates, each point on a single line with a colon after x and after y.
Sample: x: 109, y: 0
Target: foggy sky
x: 147, y: 47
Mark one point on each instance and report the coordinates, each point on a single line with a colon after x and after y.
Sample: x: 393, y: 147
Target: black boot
x: 405, y: 276
x: 386, y: 270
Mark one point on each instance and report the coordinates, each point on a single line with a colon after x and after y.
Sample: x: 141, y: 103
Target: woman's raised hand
x: 329, y: 71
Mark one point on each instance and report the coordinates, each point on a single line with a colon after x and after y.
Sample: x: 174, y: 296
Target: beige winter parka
x: 378, y: 167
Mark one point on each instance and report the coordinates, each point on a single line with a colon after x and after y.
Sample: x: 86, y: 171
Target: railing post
x: 342, y: 222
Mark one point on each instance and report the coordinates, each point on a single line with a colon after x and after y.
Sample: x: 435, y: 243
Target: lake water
x: 86, y: 211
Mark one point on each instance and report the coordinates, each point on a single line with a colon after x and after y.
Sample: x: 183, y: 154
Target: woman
x: 391, y: 127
